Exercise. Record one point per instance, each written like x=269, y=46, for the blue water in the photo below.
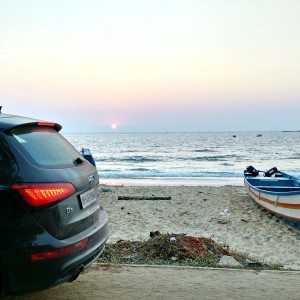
x=190, y=155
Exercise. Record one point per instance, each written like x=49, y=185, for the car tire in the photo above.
x=1, y=286
x=2, y=279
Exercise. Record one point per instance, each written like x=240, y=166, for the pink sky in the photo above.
x=152, y=66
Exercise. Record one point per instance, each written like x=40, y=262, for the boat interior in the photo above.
x=275, y=184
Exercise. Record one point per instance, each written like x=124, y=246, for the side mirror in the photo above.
x=86, y=153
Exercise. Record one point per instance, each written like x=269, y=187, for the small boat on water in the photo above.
x=275, y=191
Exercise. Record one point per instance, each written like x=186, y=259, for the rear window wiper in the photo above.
x=78, y=161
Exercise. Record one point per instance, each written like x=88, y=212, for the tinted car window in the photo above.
x=7, y=166
x=44, y=147
x=2, y=155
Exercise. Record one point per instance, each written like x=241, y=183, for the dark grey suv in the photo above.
x=52, y=225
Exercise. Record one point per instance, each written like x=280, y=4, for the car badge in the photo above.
x=91, y=179
x=69, y=210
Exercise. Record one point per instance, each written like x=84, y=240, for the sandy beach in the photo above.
x=162, y=282
x=226, y=214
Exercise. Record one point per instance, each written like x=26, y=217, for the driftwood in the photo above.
x=142, y=198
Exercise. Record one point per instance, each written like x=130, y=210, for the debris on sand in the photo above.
x=178, y=249
x=105, y=190
x=164, y=247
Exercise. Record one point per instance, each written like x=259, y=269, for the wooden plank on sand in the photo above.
x=143, y=198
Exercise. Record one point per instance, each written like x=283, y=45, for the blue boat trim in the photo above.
x=276, y=193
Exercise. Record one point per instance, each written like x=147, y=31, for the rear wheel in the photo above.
x=2, y=278
x=1, y=287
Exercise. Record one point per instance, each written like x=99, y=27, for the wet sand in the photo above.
x=205, y=181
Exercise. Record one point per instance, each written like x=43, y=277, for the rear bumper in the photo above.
x=72, y=269
x=25, y=276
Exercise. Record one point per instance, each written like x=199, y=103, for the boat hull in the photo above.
x=281, y=205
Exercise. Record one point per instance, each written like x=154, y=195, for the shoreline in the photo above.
x=174, y=181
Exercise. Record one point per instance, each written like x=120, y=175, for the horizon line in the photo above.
x=150, y=132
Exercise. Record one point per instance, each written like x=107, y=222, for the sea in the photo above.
x=197, y=158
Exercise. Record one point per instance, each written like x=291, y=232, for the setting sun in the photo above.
x=113, y=126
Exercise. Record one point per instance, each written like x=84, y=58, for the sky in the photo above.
x=146, y=66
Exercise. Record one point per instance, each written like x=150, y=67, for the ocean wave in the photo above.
x=135, y=174
x=140, y=169
x=130, y=151
x=204, y=150
x=108, y=170
x=227, y=164
x=133, y=159
x=215, y=158
x=145, y=159
x=297, y=156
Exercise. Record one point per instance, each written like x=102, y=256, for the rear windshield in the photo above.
x=44, y=146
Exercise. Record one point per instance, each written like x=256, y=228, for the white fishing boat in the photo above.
x=276, y=191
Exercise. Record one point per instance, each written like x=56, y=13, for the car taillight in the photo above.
x=40, y=194
x=55, y=126
x=50, y=254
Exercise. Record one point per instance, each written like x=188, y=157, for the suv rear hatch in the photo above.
x=55, y=183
